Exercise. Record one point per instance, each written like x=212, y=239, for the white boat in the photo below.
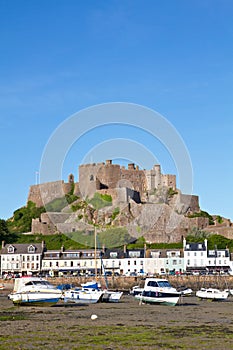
x=111, y=296
x=107, y=295
x=158, y=291
x=136, y=290
x=186, y=291
x=91, y=292
x=87, y=294
x=34, y=291
x=212, y=294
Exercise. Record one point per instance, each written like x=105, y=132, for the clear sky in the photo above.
x=172, y=56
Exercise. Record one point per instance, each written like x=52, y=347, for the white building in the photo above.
x=21, y=258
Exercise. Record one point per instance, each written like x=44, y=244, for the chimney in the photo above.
x=184, y=243
x=108, y=161
x=62, y=248
x=3, y=244
x=43, y=245
x=125, y=249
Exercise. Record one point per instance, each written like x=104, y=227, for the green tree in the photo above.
x=4, y=231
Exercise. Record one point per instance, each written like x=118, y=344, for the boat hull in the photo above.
x=212, y=294
x=82, y=297
x=111, y=297
x=32, y=299
x=158, y=298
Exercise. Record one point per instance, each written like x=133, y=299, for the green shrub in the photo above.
x=100, y=200
x=22, y=218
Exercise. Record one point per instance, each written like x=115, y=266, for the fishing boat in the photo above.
x=158, y=291
x=34, y=291
x=212, y=294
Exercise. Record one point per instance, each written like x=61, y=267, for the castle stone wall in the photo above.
x=44, y=193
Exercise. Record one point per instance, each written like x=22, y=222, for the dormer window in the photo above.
x=31, y=249
x=11, y=249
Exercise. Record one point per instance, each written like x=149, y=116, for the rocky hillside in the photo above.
x=166, y=216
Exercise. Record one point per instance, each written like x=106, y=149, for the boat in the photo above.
x=109, y=296
x=158, y=291
x=34, y=291
x=212, y=294
x=87, y=294
x=91, y=292
x=185, y=291
x=136, y=290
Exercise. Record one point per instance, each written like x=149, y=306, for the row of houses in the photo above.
x=35, y=258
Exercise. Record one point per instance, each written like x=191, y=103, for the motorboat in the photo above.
x=136, y=290
x=91, y=292
x=212, y=294
x=158, y=291
x=87, y=294
x=31, y=290
x=109, y=296
x=185, y=291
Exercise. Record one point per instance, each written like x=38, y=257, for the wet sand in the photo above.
x=193, y=324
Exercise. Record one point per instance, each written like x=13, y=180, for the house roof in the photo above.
x=22, y=248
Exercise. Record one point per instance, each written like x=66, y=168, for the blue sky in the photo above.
x=59, y=57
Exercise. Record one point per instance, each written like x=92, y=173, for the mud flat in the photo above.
x=192, y=324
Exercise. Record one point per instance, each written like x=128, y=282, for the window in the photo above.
x=133, y=254
x=31, y=249
x=128, y=262
x=11, y=249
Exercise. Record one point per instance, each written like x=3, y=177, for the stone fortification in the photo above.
x=149, y=202
x=93, y=177
x=45, y=193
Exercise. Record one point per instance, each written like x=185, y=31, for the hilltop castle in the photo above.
x=147, y=198
x=104, y=176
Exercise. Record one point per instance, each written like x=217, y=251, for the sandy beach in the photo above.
x=193, y=324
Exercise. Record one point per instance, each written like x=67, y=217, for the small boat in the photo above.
x=109, y=296
x=90, y=292
x=185, y=291
x=136, y=290
x=212, y=294
x=85, y=295
x=158, y=291
x=34, y=291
